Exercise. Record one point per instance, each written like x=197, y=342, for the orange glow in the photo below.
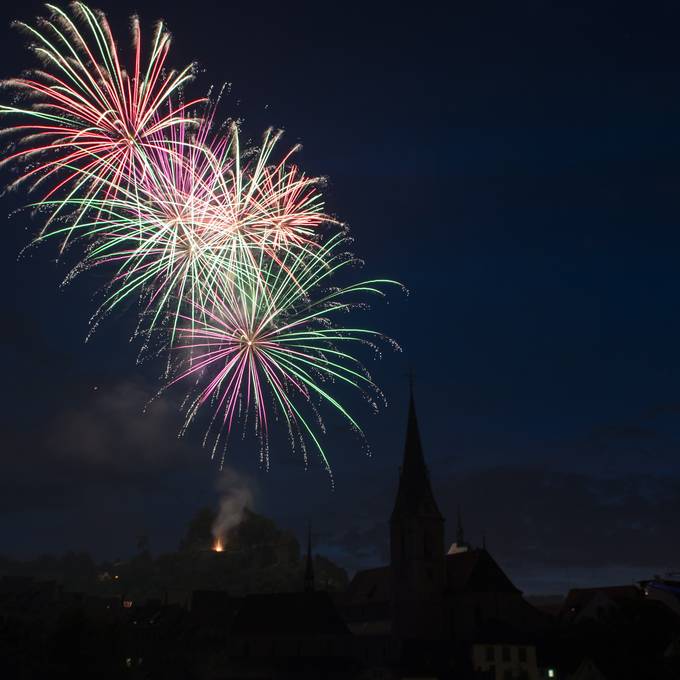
x=218, y=546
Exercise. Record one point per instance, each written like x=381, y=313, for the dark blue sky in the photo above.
x=517, y=167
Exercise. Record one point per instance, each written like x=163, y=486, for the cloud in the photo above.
x=100, y=441
x=664, y=410
x=359, y=547
x=543, y=526
x=116, y=426
x=533, y=515
x=625, y=432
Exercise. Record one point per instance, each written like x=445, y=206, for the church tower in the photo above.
x=418, y=562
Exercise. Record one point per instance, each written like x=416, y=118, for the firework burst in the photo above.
x=270, y=343
x=226, y=247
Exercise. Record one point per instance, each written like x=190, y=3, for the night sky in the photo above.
x=517, y=167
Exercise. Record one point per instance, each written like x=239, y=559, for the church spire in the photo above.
x=417, y=554
x=460, y=534
x=414, y=495
x=309, y=568
x=460, y=545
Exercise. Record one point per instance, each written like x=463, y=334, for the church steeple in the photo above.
x=460, y=545
x=460, y=534
x=309, y=567
x=414, y=494
x=418, y=562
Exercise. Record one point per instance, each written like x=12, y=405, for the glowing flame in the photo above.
x=218, y=546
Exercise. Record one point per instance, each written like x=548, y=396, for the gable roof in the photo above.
x=476, y=571
x=370, y=585
x=578, y=598
x=472, y=571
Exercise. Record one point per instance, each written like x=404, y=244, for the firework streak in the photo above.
x=228, y=252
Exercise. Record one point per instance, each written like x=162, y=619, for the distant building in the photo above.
x=501, y=661
x=582, y=604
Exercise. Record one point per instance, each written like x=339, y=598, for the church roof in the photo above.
x=414, y=495
x=476, y=571
x=473, y=571
x=370, y=585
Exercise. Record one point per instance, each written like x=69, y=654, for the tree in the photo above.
x=198, y=535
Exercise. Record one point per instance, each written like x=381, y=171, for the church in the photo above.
x=431, y=598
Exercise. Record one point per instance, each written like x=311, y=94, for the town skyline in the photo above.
x=516, y=169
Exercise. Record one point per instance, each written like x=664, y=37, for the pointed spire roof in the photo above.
x=460, y=534
x=309, y=568
x=414, y=496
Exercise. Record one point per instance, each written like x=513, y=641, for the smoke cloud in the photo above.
x=117, y=427
x=236, y=496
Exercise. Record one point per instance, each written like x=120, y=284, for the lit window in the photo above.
x=551, y=673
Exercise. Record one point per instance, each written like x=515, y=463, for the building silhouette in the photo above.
x=428, y=602
x=417, y=564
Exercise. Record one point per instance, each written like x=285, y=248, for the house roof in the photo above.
x=577, y=598
x=622, y=664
